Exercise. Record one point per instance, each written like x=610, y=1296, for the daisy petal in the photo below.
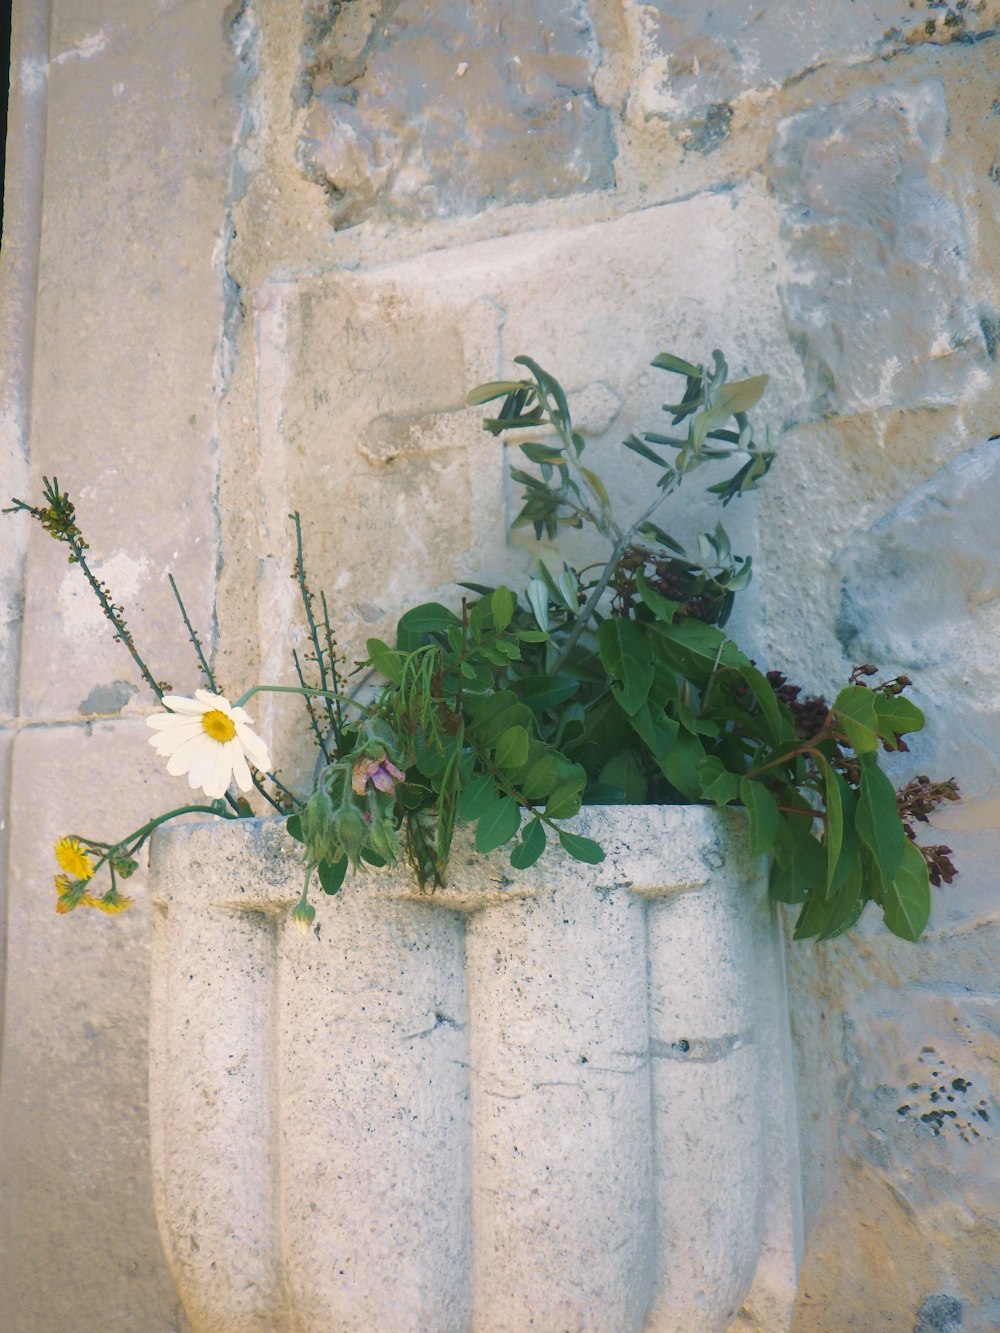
x=240, y=768
x=178, y=704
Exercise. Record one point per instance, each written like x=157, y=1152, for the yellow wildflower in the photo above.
x=73, y=859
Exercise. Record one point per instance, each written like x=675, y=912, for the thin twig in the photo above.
x=195, y=641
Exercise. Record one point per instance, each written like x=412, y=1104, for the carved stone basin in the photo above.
x=551, y=1100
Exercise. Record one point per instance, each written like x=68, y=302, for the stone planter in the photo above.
x=556, y=1100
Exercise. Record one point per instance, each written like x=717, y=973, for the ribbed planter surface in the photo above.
x=553, y=1100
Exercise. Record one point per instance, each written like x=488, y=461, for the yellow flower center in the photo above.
x=218, y=725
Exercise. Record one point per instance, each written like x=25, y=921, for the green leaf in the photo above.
x=834, y=818
x=657, y=731
x=331, y=875
x=778, y=724
x=624, y=773
x=567, y=796
x=695, y=649
x=502, y=605
x=661, y=607
x=581, y=849
x=667, y=361
x=804, y=870
x=497, y=824
x=877, y=820
x=385, y=660
x=764, y=816
x=644, y=451
x=540, y=777
x=848, y=902
x=549, y=383
x=538, y=599
x=895, y=717
x=420, y=621
x=596, y=485
x=486, y=393
x=679, y=765
x=814, y=918
x=854, y=709
x=531, y=846
x=542, y=453
x=477, y=797
x=907, y=903
x=294, y=826
x=626, y=653
x=739, y=396
x=512, y=748
x=488, y=730
x=718, y=785
x=542, y=692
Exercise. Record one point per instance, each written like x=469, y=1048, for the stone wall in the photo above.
x=254, y=258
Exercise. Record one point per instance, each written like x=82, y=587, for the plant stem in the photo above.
x=297, y=689
x=599, y=588
x=195, y=641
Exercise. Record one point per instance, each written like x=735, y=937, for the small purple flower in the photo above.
x=382, y=773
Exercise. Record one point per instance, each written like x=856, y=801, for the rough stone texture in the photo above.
x=183, y=243
x=416, y=110
x=865, y=222
x=697, y=56
x=75, y=1164
x=496, y=1104
x=362, y=379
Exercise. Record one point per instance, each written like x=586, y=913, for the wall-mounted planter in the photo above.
x=557, y=1100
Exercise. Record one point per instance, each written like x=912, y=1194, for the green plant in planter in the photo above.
x=614, y=684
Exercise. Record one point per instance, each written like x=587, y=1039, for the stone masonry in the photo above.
x=254, y=257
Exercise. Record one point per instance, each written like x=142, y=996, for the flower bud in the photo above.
x=303, y=915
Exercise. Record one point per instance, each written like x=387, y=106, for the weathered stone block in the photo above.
x=881, y=303
x=693, y=56
x=922, y=587
x=74, y=1153
x=416, y=110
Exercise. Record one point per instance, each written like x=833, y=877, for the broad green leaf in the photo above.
x=331, y=874
x=624, y=773
x=906, y=905
x=896, y=716
x=567, y=797
x=626, y=653
x=718, y=785
x=661, y=607
x=764, y=815
x=497, y=824
x=657, y=731
x=477, y=797
x=531, y=635
x=419, y=621
x=854, y=708
x=847, y=903
x=538, y=599
x=531, y=846
x=877, y=820
x=489, y=730
x=778, y=724
x=679, y=765
x=694, y=648
x=294, y=826
x=804, y=871
x=386, y=661
x=540, y=777
x=814, y=918
x=512, y=748
x=502, y=605
x=486, y=393
x=581, y=849
x=834, y=818
x=541, y=692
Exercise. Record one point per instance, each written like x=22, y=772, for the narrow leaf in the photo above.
x=764, y=816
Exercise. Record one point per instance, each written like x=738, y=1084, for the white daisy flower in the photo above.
x=210, y=740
